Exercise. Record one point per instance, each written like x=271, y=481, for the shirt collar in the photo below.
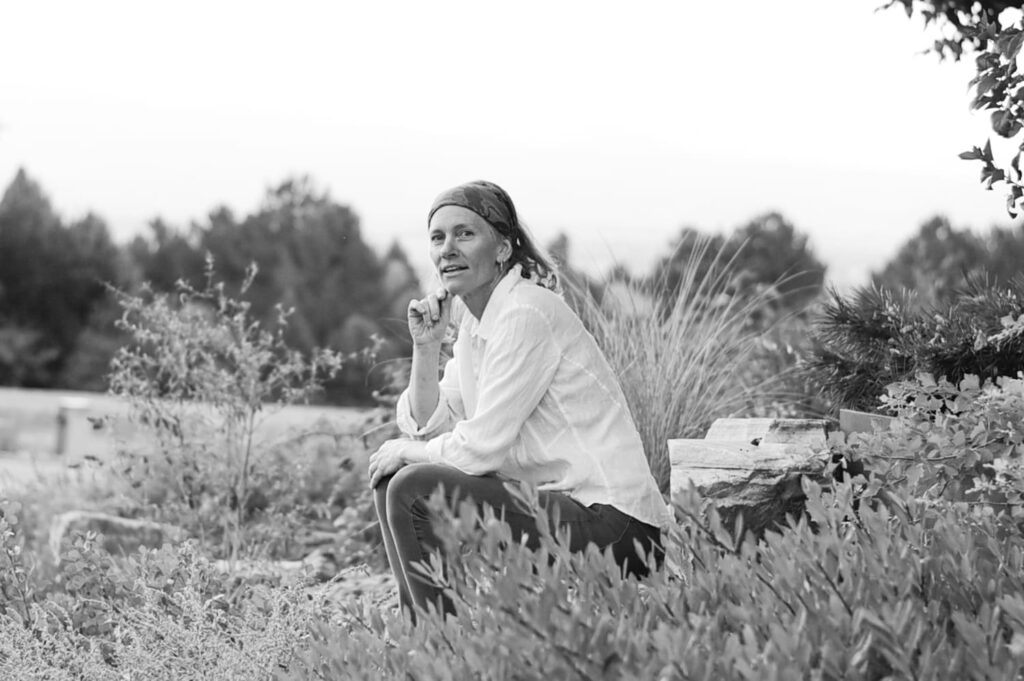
x=495, y=303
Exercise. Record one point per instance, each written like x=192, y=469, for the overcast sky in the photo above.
x=617, y=123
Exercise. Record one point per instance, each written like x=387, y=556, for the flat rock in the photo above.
x=738, y=471
x=117, y=535
x=320, y=565
x=752, y=466
x=813, y=432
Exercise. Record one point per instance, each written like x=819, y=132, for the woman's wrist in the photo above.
x=432, y=346
x=414, y=451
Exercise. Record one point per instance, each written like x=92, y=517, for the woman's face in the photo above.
x=465, y=251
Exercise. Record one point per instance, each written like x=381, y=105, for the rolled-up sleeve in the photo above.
x=518, y=365
x=448, y=412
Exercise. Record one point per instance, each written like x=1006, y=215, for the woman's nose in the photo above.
x=448, y=246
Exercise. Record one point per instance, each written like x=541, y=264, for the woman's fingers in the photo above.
x=435, y=303
x=433, y=307
x=383, y=462
x=428, y=312
x=418, y=309
x=382, y=470
x=444, y=304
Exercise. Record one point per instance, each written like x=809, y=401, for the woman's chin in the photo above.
x=455, y=287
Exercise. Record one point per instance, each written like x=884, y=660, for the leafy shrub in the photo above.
x=164, y=614
x=198, y=373
x=960, y=444
x=876, y=337
x=913, y=591
x=916, y=572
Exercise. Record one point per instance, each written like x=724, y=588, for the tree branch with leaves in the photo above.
x=992, y=30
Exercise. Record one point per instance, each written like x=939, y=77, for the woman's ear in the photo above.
x=505, y=252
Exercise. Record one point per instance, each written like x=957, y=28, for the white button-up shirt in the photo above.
x=529, y=395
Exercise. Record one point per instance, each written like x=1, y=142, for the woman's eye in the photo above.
x=465, y=234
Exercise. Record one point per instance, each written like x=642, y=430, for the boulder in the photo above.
x=752, y=467
x=117, y=535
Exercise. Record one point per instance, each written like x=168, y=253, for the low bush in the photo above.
x=905, y=574
x=200, y=374
x=158, y=614
x=924, y=592
x=875, y=337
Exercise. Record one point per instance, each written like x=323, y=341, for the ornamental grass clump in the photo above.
x=685, y=355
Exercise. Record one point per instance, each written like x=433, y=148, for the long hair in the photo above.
x=536, y=263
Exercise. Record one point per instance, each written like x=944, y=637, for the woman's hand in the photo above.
x=429, y=317
x=394, y=454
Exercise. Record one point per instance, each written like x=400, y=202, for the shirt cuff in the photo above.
x=433, y=449
x=437, y=423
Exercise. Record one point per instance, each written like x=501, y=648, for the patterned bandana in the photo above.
x=487, y=200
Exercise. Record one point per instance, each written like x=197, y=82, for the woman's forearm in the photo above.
x=423, y=383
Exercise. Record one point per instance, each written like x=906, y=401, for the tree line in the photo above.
x=57, y=279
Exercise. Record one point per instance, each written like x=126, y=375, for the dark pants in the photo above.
x=409, y=538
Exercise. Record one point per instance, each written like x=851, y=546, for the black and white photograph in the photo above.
x=454, y=340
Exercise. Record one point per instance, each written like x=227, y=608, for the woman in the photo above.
x=527, y=396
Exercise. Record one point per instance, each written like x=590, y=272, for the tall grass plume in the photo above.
x=685, y=354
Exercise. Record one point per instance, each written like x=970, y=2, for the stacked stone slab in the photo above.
x=752, y=466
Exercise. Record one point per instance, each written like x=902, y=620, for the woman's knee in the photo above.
x=415, y=481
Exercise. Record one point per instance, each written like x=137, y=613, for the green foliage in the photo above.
x=312, y=259
x=57, y=312
x=940, y=261
x=16, y=585
x=904, y=589
x=52, y=283
x=198, y=374
x=996, y=38
x=952, y=443
x=685, y=351
x=163, y=614
x=875, y=337
x=767, y=255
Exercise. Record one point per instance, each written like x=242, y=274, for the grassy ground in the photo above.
x=96, y=424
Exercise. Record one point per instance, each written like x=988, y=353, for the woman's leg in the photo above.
x=401, y=579
x=414, y=539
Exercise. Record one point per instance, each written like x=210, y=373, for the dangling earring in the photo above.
x=499, y=272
